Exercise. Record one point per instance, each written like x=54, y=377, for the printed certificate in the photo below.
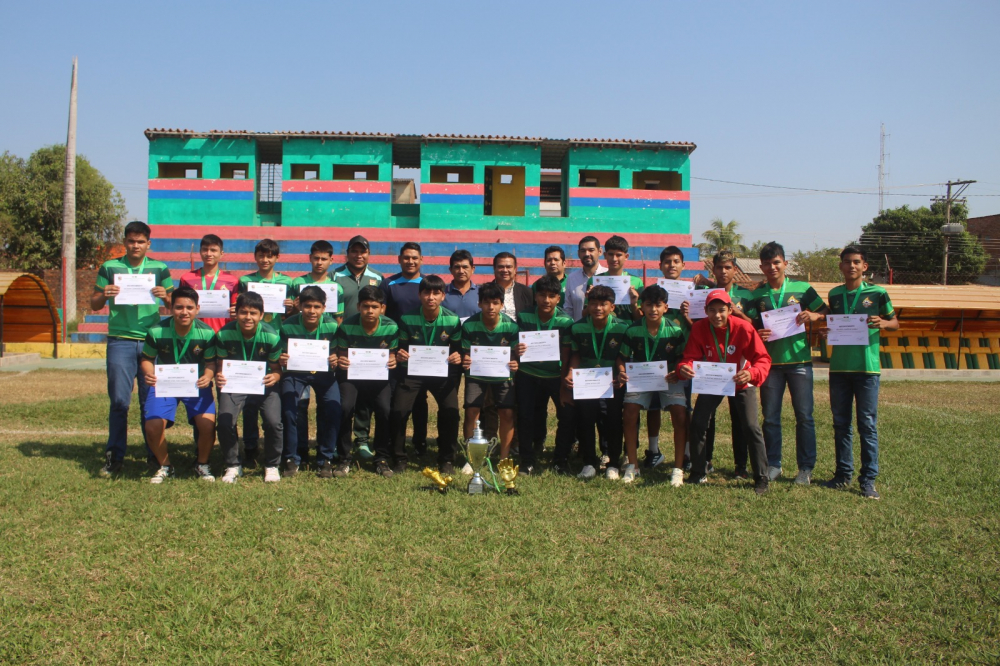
x=213, y=303
x=136, y=289
x=542, y=346
x=177, y=381
x=781, y=322
x=849, y=329
x=592, y=383
x=245, y=377
x=678, y=291
x=427, y=361
x=650, y=376
x=308, y=355
x=620, y=284
x=368, y=364
x=274, y=295
x=714, y=378
x=331, y=294
x=696, y=307
x=490, y=361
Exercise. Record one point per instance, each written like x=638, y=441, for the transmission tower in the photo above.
x=883, y=171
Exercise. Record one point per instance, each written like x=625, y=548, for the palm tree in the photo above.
x=722, y=236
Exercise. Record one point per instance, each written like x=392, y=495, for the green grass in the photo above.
x=370, y=570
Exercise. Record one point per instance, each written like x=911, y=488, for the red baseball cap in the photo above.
x=718, y=295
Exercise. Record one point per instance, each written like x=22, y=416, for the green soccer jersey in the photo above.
x=623, y=311
x=598, y=348
x=444, y=331
x=299, y=283
x=667, y=344
x=165, y=346
x=560, y=324
x=793, y=350
x=871, y=300
x=264, y=346
x=475, y=334
x=562, y=290
x=294, y=329
x=351, y=335
x=271, y=318
x=132, y=321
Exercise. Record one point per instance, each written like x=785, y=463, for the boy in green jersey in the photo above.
x=490, y=328
x=312, y=323
x=369, y=329
x=180, y=339
x=127, y=328
x=430, y=325
x=791, y=363
x=854, y=372
x=616, y=256
x=655, y=338
x=537, y=382
x=248, y=338
x=594, y=343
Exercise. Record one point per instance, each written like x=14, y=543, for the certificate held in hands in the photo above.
x=848, y=330
x=372, y=364
x=541, y=346
x=213, y=303
x=678, y=291
x=177, y=381
x=272, y=293
x=308, y=355
x=490, y=361
x=427, y=361
x=714, y=378
x=782, y=322
x=644, y=377
x=592, y=383
x=620, y=284
x=246, y=377
x=696, y=304
x=135, y=289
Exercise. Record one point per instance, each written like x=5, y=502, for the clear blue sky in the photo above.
x=787, y=94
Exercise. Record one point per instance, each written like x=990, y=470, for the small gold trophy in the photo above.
x=440, y=482
x=508, y=472
x=477, y=450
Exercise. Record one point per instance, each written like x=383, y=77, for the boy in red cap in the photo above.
x=722, y=338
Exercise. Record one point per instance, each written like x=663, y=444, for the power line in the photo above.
x=827, y=191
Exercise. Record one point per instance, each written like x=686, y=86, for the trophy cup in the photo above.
x=477, y=450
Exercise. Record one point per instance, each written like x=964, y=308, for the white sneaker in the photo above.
x=677, y=477
x=203, y=472
x=271, y=475
x=588, y=472
x=232, y=474
x=611, y=473
x=467, y=470
x=773, y=473
x=629, y=473
x=164, y=472
x=605, y=461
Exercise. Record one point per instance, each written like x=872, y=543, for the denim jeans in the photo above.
x=846, y=390
x=122, y=358
x=799, y=379
x=324, y=384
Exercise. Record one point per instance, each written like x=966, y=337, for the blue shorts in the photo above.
x=669, y=398
x=166, y=408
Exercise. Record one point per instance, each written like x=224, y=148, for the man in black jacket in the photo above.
x=517, y=297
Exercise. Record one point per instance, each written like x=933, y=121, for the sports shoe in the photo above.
x=838, y=482
x=629, y=473
x=868, y=490
x=290, y=469
x=605, y=461
x=692, y=480
x=202, y=471
x=231, y=474
x=446, y=469
x=526, y=471
x=324, y=470
x=652, y=460
x=709, y=468
x=687, y=464
x=165, y=472
x=677, y=477
x=364, y=452
x=611, y=474
x=588, y=472
x=804, y=477
x=111, y=466
x=382, y=468
x=467, y=469
x=761, y=487
x=773, y=473
x=342, y=470
x=399, y=468
x=271, y=475
x=741, y=474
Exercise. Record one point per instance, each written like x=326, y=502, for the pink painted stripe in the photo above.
x=451, y=188
x=613, y=193
x=532, y=191
x=356, y=186
x=201, y=184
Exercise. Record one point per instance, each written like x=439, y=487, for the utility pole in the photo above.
x=949, y=229
x=69, y=215
x=883, y=172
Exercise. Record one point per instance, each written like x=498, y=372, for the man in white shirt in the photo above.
x=589, y=249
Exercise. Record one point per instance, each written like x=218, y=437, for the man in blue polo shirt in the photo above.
x=462, y=295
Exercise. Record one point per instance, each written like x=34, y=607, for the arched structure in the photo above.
x=27, y=311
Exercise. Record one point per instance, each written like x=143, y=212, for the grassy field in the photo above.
x=373, y=570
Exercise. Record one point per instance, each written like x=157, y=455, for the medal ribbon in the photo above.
x=856, y=297
x=142, y=266
x=253, y=345
x=646, y=338
x=187, y=341
x=429, y=338
x=723, y=351
x=781, y=294
x=214, y=280
x=604, y=339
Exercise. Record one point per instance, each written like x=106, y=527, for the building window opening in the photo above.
x=451, y=174
x=355, y=172
x=550, y=195
x=600, y=178
x=180, y=170
x=656, y=180
x=305, y=171
x=234, y=170
x=269, y=188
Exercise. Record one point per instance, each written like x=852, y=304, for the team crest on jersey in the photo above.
x=867, y=302
x=197, y=350
x=613, y=343
x=444, y=337
x=503, y=342
x=731, y=349
x=384, y=344
x=739, y=305
x=668, y=348
x=763, y=304
x=792, y=300
x=372, y=282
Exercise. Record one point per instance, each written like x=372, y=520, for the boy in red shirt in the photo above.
x=722, y=338
x=211, y=278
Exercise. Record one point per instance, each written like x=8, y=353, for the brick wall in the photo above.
x=86, y=278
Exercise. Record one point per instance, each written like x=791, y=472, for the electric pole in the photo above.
x=949, y=229
x=883, y=172
x=69, y=215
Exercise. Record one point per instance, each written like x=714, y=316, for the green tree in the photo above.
x=722, y=236
x=819, y=265
x=910, y=241
x=753, y=252
x=31, y=193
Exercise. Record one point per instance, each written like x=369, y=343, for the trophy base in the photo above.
x=477, y=486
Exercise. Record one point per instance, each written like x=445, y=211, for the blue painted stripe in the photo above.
x=451, y=199
x=373, y=197
x=598, y=202
x=531, y=201
x=201, y=194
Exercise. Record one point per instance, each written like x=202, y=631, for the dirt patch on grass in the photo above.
x=41, y=385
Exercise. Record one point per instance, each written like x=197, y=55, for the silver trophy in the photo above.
x=477, y=450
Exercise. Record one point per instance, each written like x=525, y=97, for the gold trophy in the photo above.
x=440, y=481
x=508, y=472
x=477, y=450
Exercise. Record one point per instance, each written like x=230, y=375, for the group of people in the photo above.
x=409, y=314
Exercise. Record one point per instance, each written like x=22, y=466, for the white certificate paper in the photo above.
x=177, y=381
x=849, y=329
x=427, y=361
x=490, y=361
x=331, y=294
x=592, y=383
x=620, y=284
x=245, y=377
x=781, y=322
x=542, y=346
x=272, y=293
x=368, y=364
x=650, y=376
x=136, y=289
x=678, y=291
x=696, y=304
x=213, y=303
x=714, y=378
x=308, y=355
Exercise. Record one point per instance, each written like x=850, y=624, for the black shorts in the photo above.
x=503, y=393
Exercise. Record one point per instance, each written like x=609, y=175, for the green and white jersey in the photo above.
x=277, y=278
x=562, y=290
x=264, y=346
x=299, y=283
x=475, y=333
x=132, y=321
x=560, y=324
x=351, y=335
x=667, y=344
x=871, y=300
x=621, y=311
x=598, y=348
x=164, y=346
x=793, y=350
x=294, y=329
x=444, y=331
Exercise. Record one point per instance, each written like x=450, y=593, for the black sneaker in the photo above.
x=687, y=464
x=696, y=480
x=324, y=470
x=838, y=482
x=446, y=469
x=342, y=470
x=382, y=468
x=111, y=466
x=761, y=487
x=868, y=490
x=652, y=459
x=290, y=469
x=399, y=468
x=741, y=474
x=709, y=468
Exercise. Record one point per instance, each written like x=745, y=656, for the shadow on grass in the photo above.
x=90, y=456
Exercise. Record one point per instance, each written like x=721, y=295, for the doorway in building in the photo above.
x=503, y=191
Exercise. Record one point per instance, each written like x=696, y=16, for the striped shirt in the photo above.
x=445, y=331
x=597, y=348
x=351, y=335
x=165, y=346
x=132, y=321
x=301, y=282
x=294, y=328
x=264, y=346
x=475, y=333
x=561, y=324
x=278, y=278
x=623, y=310
x=666, y=345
